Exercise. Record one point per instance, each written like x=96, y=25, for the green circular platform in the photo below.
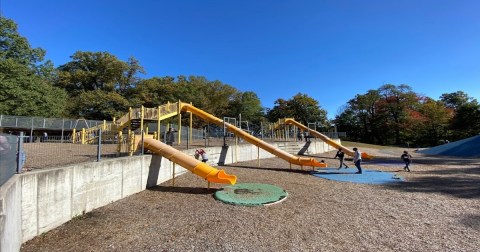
x=251, y=194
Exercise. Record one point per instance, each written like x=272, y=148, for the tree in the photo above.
x=248, y=105
x=91, y=72
x=466, y=122
x=301, y=107
x=396, y=101
x=434, y=124
x=98, y=105
x=25, y=80
x=455, y=100
x=466, y=114
x=279, y=110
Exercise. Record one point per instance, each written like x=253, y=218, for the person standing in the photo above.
x=357, y=159
x=170, y=136
x=341, y=156
x=407, y=158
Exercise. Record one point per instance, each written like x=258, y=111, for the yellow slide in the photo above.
x=199, y=168
x=325, y=138
x=185, y=107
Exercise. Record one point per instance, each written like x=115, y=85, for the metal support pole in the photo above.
x=99, y=146
x=224, y=134
x=63, y=122
x=173, y=173
x=188, y=137
x=258, y=156
x=179, y=122
x=143, y=143
x=20, y=153
x=205, y=130
x=31, y=131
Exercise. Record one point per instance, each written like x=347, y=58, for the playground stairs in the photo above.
x=290, y=147
x=133, y=121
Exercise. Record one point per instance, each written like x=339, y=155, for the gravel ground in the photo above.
x=436, y=209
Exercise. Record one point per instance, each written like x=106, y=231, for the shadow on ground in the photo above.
x=185, y=190
x=456, y=182
x=471, y=221
x=306, y=171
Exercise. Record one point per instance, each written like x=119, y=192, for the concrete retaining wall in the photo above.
x=36, y=202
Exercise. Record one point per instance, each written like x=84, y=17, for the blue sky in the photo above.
x=330, y=50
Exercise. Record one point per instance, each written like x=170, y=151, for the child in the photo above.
x=341, y=156
x=407, y=158
x=201, y=153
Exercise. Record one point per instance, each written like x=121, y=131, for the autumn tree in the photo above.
x=395, y=102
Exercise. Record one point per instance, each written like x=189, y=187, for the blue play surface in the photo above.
x=367, y=177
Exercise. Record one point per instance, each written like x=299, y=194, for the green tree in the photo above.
x=456, y=99
x=99, y=75
x=280, y=110
x=301, y=107
x=248, y=105
x=88, y=71
x=25, y=79
x=98, y=104
x=466, y=121
x=433, y=124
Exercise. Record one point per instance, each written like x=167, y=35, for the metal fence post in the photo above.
x=143, y=138
x=99, y=147
x=20, y=153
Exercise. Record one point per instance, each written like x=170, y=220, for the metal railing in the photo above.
x=26, y=122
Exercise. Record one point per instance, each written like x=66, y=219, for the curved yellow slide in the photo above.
x=199, y=168
x=325, y=138
x=185, y=107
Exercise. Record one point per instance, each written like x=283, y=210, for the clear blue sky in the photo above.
x=330, y=50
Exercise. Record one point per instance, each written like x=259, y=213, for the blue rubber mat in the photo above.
x=367, y=177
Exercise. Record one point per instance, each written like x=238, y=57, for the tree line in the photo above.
x=396, y=115
x=100, y=86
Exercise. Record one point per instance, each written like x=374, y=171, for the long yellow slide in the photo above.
x=325, y=138
x=195, y=166
x=185, y=107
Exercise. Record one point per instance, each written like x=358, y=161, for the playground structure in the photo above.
x=130, y=129
x=283, y=123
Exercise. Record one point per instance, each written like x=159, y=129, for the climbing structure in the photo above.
x=125, y=127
